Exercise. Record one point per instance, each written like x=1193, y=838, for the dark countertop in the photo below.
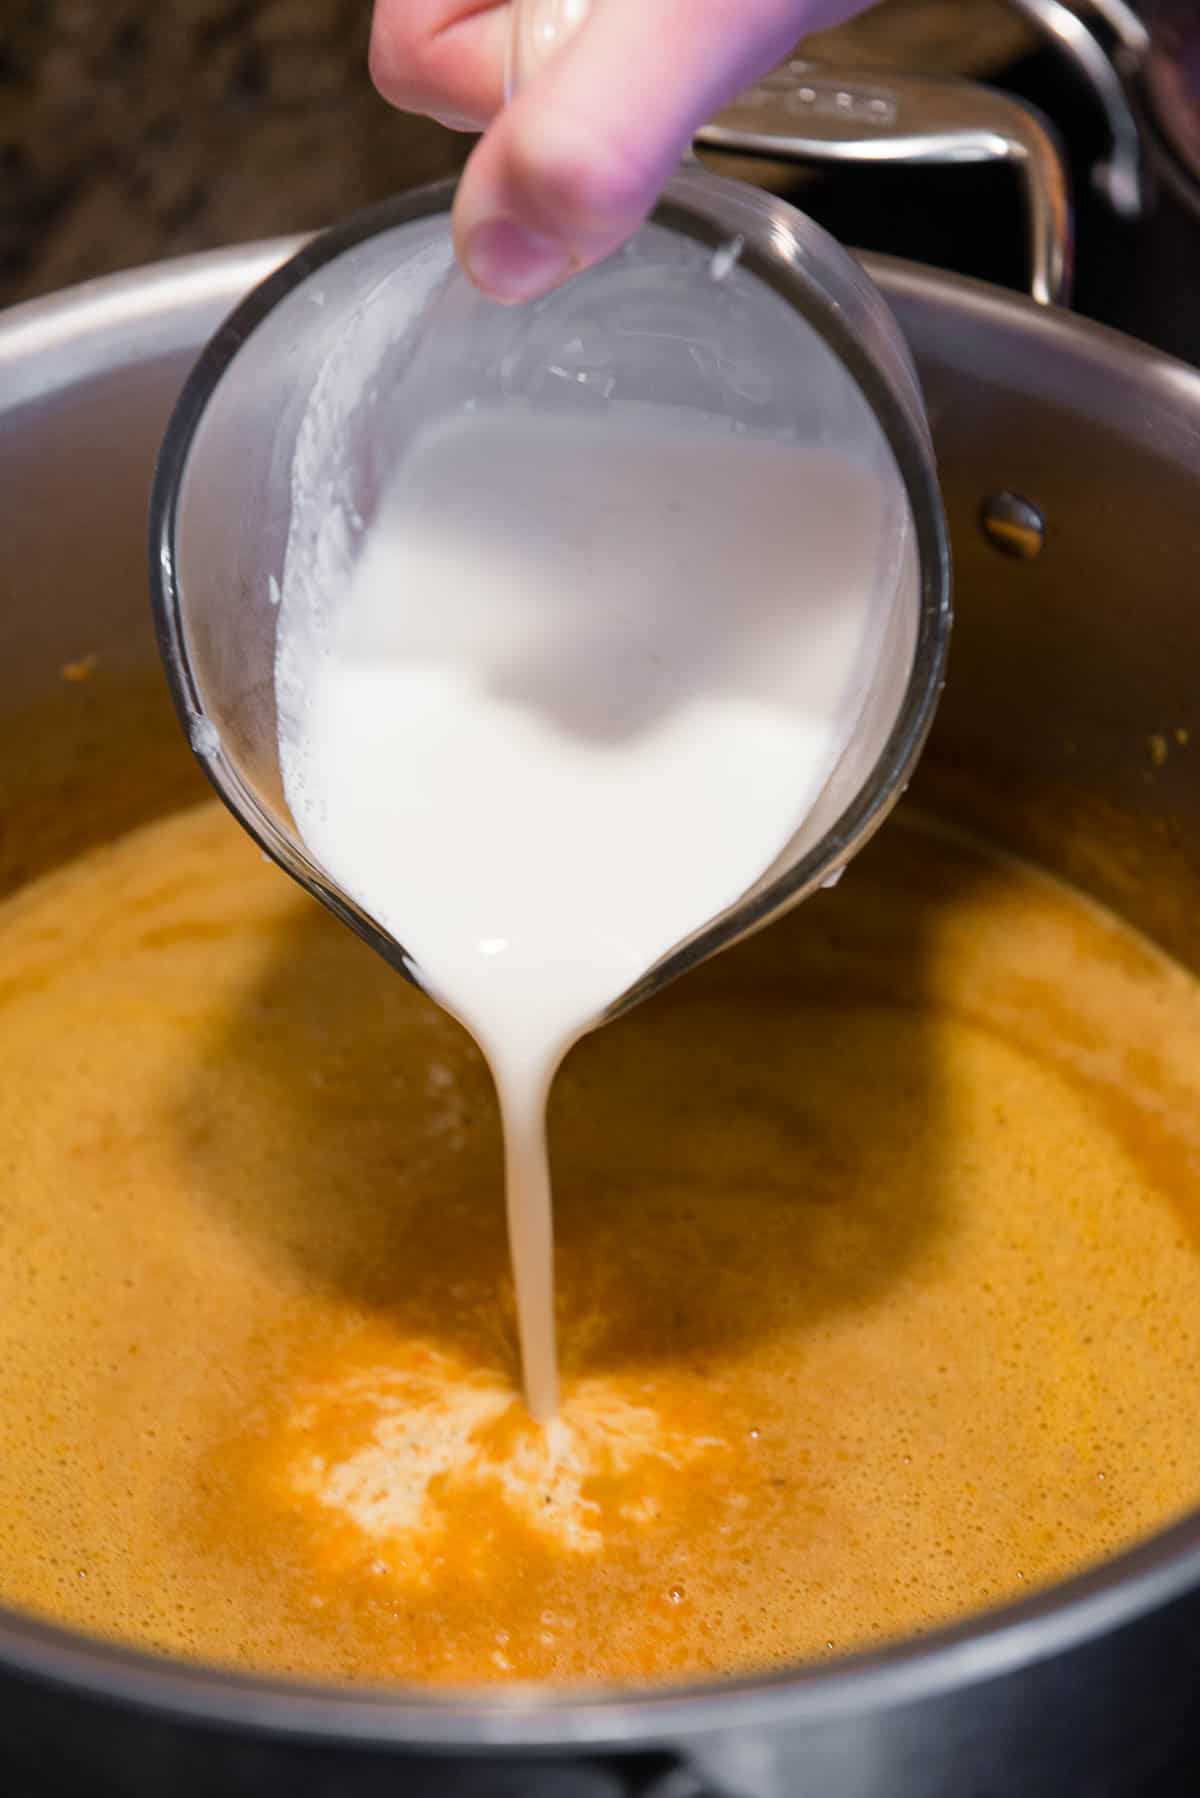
x=136, y=129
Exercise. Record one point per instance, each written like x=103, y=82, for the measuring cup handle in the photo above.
x=816, y=112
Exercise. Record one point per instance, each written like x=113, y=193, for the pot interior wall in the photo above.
x=89, y=745
x=1069, y=730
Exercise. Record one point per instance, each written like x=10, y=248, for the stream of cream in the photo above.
x=587, y=678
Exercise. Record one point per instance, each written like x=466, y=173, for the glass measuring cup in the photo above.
x=729, y=303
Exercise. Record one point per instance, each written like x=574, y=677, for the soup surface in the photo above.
x=878, y=1278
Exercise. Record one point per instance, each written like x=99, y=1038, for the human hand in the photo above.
x=563, y=175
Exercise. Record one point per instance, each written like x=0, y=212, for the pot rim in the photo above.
x=984, y=1647
x=155, y=309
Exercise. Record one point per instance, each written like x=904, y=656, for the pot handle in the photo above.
x=1120, y=177
x=816, y=112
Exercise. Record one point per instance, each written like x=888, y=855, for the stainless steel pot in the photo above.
x=1071, y=462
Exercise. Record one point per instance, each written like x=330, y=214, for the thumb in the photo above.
x=571, y=168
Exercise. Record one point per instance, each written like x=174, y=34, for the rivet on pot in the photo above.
x=1013, y=525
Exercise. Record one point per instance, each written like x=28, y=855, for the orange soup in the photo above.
x=878, y=1271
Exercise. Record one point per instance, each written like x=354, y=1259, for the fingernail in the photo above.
x=512, y=263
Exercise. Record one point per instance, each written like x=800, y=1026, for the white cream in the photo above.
x=588, y=677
